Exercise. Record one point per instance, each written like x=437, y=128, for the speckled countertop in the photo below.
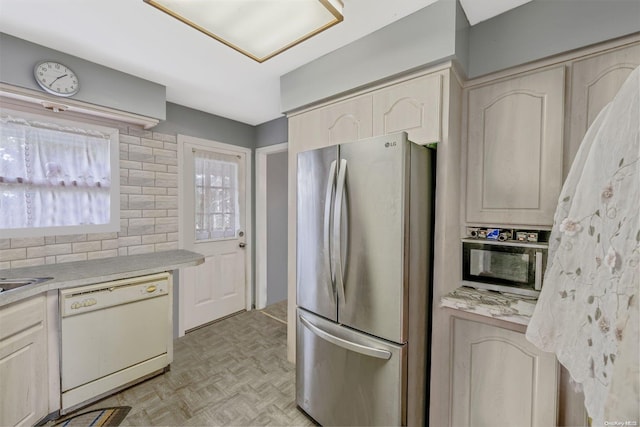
x=79, y=273
x=508, y=307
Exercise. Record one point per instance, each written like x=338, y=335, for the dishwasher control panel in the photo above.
x=102, y=295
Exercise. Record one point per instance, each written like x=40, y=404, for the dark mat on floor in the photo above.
x=105, y=417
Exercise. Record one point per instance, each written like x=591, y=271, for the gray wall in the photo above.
x=277, y=221
x=187, y=121
x=420, y=39
x=98, y=84
x=544, y=28
x=440, y=32
x=273, y=132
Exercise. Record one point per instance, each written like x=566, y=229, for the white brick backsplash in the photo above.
x=168, y=246
x=129, y=139
x=144, y=249
x=71, y=258
x=137, y=131
x=151, y=143
x=154, y=167
x=31, y=262
x=141, y=202
x=166, y=225
x=165, y=137
x=42, y=251
x=140, y=153
x=161, y=152
x=148, y=209
x=129, y=241
x=131, y=213
x=102, y=236
x=154, y=213
x=71, y=238
x=166, y=202
x=109, y=244
x=24, y=243
x=171, y=179
x=143, y=178
x=130, y=189
x=167, y=160
x=154, y=190
x=102, y=254
x=13, y=254
x=86, y=247
x=129, y=164
x=154, y=238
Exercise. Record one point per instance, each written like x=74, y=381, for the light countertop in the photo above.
x=503, y=306
x=79, y=273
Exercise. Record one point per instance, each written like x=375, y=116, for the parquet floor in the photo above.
x=231, y=373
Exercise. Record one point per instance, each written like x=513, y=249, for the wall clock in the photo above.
x=56, y=78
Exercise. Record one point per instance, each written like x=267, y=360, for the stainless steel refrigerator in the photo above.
x=364, y=239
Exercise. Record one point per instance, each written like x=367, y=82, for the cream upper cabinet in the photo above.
x=499, y=378
x=595, y=80
x=344, y=121
x=514, y=149
x=414, y=106
x=24, y=395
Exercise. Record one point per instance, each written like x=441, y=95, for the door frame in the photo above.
x=261, y=219
x=211, y=144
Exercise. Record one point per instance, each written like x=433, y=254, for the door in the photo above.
x=213, y=224
x=372, y=206
x=345, y=378
x=315, y=190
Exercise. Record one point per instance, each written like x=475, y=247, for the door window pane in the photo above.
x=216, y=193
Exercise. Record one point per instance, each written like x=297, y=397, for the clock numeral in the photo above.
x=57, y=66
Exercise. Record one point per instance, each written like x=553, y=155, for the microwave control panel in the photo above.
x=507, y=234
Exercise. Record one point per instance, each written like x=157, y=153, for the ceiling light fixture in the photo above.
x=259, y=29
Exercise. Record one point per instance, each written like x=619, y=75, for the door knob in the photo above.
x=242, y=245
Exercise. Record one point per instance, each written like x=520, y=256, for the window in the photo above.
x=216, y=196
x=57, y=177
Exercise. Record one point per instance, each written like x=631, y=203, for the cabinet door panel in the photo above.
x=594, y=83
x=23, y=363
x=499, y=378
x=414, y=106
x=514, y=149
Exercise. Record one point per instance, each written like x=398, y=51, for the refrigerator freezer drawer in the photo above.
x=344, y=377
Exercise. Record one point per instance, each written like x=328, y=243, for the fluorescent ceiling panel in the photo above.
x=259, y=29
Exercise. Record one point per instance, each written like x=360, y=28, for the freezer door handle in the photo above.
x=337, y=224
x=348, y=345
x=331, y=182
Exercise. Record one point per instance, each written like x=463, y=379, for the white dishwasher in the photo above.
x=113, y=335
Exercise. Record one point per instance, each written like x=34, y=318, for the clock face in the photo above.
x=56, y=78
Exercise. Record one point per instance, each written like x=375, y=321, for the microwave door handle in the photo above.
x=331, y=183
x=539, y=272
x=337, y=230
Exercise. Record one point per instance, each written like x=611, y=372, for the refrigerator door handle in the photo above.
x=348, y=345
x=337, y=237
x=331, y=182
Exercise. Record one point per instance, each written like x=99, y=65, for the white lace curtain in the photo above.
x=52, y=176
x=216, y=188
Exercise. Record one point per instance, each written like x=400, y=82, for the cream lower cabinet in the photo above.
x=500, y=379
x=24, y=388
x=514, y=149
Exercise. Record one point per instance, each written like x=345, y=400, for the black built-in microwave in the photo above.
x=505, y=260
